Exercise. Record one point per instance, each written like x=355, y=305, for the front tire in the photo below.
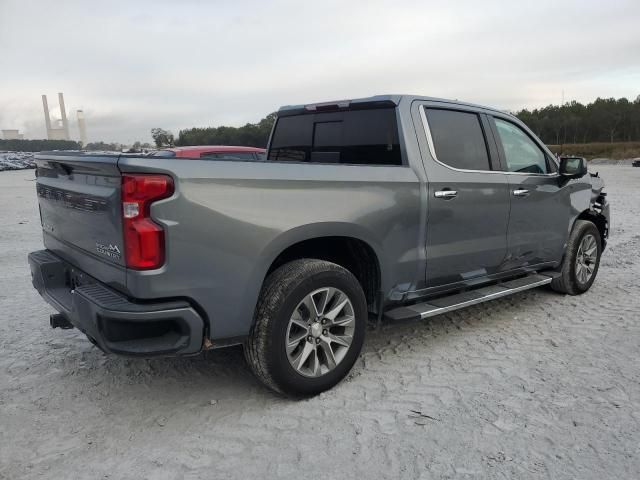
x=581, y=260
x=308, y=329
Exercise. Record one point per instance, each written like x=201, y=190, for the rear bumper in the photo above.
x=112, y=321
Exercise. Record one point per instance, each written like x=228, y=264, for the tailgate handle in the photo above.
x=66, y=169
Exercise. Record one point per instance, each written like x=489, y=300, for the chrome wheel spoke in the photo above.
x=297, y=320
x=311, y=306
x=329, y=356
x=325, y=298
x=320, y=332
x=294, y=340
x=344, y=340
x=343, y=321
x=341, y=303
x=303, y=356
x=315, y=363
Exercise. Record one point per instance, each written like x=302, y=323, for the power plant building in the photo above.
x=12, y=135
x=58, y=132
x=82, y=128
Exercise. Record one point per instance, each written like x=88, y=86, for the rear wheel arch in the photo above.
x=352, y=253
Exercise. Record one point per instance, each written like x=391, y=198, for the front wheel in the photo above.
x=309, y=327
x=581, y=259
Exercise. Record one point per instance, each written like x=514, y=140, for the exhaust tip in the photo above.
x=58, y=320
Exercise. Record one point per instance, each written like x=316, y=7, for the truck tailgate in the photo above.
x=80, y=210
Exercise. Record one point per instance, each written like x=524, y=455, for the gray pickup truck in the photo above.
x=390, y=206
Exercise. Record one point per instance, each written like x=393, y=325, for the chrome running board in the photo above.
x=439, y=305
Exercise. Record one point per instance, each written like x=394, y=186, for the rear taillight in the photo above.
x=143, y=238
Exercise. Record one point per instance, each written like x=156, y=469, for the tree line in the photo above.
x=116, y=147
x=604, y=120
x=249, y=135
x=38, y=145
x=49, y=145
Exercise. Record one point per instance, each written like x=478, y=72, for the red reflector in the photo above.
x=143, y=238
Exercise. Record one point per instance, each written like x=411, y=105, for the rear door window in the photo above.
x=521, y=153
x=359, y=137
x=458, y=139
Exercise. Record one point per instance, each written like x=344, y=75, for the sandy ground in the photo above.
x=538, y=385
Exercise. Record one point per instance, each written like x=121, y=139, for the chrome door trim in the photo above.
x=432, y=151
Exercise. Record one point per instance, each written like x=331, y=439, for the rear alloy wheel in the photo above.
x=320, y=332
x=581, y=259
x=308, y=328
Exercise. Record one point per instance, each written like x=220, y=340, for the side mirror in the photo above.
x=573, y=167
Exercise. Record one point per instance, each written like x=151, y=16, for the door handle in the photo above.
x=445, y=194
x=521, y=192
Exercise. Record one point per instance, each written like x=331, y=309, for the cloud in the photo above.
x=135, y=65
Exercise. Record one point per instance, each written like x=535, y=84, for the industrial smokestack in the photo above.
x=47, y=119
x=63, y=113
x=82, y=128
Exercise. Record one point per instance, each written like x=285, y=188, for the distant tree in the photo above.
x=162, y=138
x=38, y=145
x=603, y=120
x=103, y=147
x=249, y=135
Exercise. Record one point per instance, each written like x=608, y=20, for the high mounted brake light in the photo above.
x=327, y=106
x=143, y=238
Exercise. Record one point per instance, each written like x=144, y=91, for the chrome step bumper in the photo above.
x=449, y=303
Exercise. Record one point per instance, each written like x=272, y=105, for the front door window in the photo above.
x=521, y=153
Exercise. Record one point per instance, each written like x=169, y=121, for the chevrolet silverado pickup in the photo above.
x=395, y=207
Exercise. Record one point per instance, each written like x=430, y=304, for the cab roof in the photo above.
x=390, y=100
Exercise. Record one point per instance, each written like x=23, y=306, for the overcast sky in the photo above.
x=134, y=65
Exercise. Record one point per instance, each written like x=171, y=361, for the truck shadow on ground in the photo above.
x=223, y=374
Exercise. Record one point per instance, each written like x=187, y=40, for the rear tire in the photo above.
x=308, y=328
x=581, y=260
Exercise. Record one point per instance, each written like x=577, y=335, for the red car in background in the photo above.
x=213, y=152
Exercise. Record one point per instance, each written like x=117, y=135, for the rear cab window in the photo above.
x=356, y=137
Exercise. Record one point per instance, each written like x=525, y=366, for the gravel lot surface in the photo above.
x=537, y=385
